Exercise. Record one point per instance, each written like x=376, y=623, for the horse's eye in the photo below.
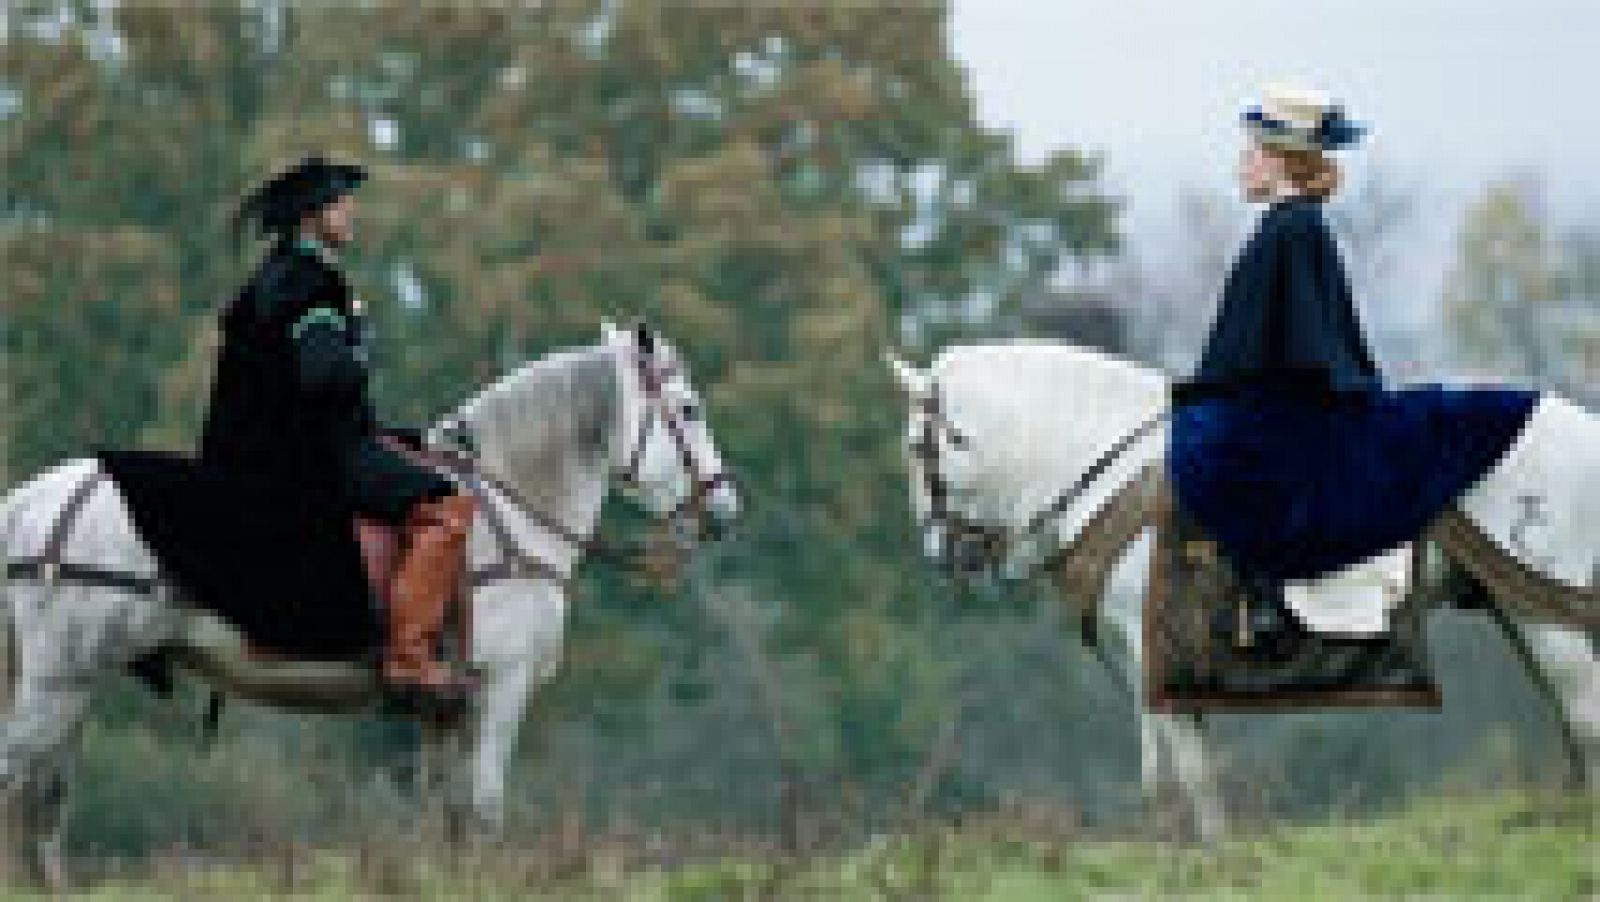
x=690, y=411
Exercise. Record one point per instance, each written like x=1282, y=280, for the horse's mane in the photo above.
x=1035, y=357
x=547, y=416
x=1038, y=413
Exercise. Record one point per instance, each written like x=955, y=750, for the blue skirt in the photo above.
x=1292, y=487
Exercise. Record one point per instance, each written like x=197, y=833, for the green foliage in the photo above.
x=1523, y=301
x=784, y=189
x=744, y=177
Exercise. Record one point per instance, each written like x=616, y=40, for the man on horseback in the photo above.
x=290, y=412
x=261, y=527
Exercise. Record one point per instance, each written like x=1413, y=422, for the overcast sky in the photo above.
x=1457, y=91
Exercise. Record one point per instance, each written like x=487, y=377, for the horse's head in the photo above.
x=667, y=456
x=943, y=472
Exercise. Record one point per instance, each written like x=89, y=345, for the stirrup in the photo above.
x=434, y=703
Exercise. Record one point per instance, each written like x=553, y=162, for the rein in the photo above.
x=997, y=542
x=701, y=487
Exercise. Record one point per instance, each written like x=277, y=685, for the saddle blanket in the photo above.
x=1355, y=601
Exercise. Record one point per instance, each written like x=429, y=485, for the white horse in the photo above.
x=548, y=439
x=1022, y=451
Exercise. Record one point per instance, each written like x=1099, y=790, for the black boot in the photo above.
x=1268, y=630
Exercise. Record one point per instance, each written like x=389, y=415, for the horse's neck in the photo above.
x=549, y=430
x=1039, y=420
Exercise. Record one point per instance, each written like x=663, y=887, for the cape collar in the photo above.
x=328, y=257
x=317, y=249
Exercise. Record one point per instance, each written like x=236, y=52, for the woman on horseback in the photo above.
x=1285, y=445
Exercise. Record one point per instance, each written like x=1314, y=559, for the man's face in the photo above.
x=334, y=223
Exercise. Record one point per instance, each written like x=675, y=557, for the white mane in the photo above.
x=547, y=422
x=1037, y=414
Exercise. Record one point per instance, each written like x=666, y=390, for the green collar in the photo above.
x=319, y=249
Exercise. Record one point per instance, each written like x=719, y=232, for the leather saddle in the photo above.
x=1203, y=648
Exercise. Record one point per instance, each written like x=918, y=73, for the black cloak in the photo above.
x=1287, y=320
x=258, y=528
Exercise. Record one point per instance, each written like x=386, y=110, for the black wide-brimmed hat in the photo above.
x=283, y=200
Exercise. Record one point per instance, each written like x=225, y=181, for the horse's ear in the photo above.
x=912, y=380
x=608, y=330
x=645, y=337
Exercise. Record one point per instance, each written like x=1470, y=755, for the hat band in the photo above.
x=1331, y=133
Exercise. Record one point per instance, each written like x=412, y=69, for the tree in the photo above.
x=1517, y=301
x=784, y=189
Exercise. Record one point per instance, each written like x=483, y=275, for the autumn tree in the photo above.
x=1518, y=301
x=786, y=190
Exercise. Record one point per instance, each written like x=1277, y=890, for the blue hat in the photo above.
x=1300, y=119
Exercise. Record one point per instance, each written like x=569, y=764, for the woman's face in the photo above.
x=1259, y=173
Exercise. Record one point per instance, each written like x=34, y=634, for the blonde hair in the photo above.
x=1312, y=173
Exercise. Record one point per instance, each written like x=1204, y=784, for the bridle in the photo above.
x=995, y=542
x=953, y=527
x=462, y=459
x=652, y=380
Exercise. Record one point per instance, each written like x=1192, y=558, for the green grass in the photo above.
x=1504, y=846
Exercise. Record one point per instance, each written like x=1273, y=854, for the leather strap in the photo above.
x=513, y=563
x=82, y=573
x=48, y=566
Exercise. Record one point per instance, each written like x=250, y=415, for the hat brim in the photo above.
x=339, y=179
x=1331, y=134
x=290, y=196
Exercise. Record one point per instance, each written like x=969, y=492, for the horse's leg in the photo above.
x=69, y=637
x=498, y=720
x=39, y=734
x=1174, y=759
x=464, y=764
x=1562, y=666
x=43, y=711
x=440, y=777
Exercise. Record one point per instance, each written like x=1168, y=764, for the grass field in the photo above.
x=1534, y=846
